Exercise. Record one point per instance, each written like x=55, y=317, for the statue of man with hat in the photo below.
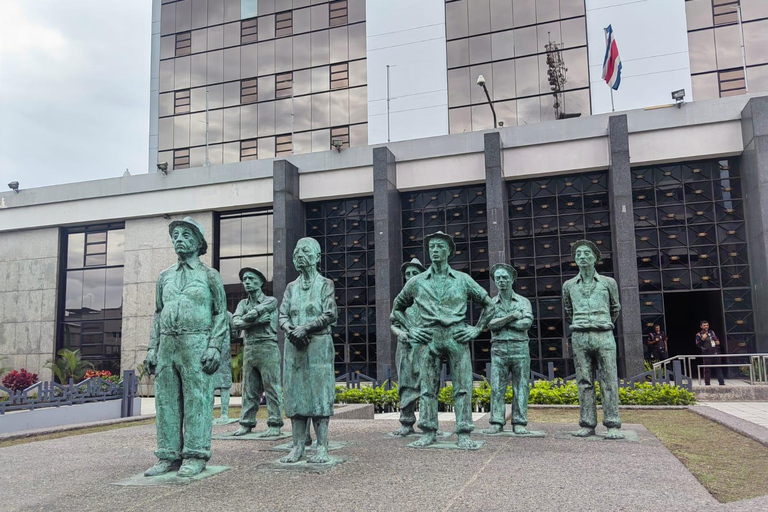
x=256, y=315
x=409, y=357
x=440, y=295
x=591, y=304
x=190, y=327
x=513, y=317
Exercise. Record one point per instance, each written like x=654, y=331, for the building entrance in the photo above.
x=682, y=313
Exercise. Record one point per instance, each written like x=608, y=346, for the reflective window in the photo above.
x=183, y=44
x=249, y=31
x=284, y=24
x=91, y=310
x=337, y=13
x=181, y=102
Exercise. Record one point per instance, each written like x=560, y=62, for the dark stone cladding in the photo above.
x=624, y=250
x=754, y=171
x=288, y=226
x=388, y=254
x=496, y=196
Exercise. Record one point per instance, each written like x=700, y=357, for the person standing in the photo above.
x=657, y=344
x=709, y=344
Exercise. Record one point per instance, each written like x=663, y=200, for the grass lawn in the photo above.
x=732, y=467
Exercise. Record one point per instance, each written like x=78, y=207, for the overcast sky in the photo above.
x=74, y=89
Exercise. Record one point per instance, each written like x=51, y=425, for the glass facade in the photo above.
x=460, y=212
x=506, y=42
x=691, y=236
x=344, y=229
x=714, y=45
x=91, y=302
x=275, y=78
x=546, y=215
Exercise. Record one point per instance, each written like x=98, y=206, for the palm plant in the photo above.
x=69, y=364
x=3, y=369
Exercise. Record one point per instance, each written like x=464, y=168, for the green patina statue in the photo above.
x=190, y=327
x=513, y=317
x=307, y=313
x=441, y=294
x=409, y=358
x=592, y=305
x=222, y=379
x=257, y=317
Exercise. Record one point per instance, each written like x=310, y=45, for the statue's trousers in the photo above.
x=515, y=357
x=596, y=350
x=409, y=360
x=261, y=374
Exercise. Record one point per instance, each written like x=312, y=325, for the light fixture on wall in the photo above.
x=163, y=167
x=337, y=144
x=679, y=97
x=14, y=185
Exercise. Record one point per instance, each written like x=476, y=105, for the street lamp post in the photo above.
x=481, y=83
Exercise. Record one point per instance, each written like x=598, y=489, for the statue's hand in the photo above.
x=150, y=362
x=211, y=360
x=467, y=334
x=402, y=338
x=420, y=335
x=300, y=332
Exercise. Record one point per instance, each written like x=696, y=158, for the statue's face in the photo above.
x=305, y=255
x=502, y=279
x=411, y=271
x=439, y=250
x=585, y=257
x=252, y=282
x=184, y=240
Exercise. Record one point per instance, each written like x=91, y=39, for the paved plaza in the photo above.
x=754, y=412
x=380, y=473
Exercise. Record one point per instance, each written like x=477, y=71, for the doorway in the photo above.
x=682, y=313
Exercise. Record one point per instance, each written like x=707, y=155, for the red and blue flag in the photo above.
x=612, y=62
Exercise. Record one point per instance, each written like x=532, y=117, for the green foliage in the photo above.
x=553, y=393
x=645, y=393
x=3, y=369
x=68, y=364
x=378, y=396
x=237, y=367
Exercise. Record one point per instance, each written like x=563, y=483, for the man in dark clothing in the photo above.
x=657, y=344
x=709, y=344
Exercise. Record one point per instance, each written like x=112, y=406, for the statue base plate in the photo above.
x=629, y=436
x=229, y=421
x=252, y=436
x=442, y=445
x=332, y=446
x=510, y=433
x=170, y=478
x=439, y=434
x=303, y=466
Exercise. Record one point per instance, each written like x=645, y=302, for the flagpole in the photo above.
x=613, y=108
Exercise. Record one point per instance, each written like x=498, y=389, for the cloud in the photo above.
x=74, y=89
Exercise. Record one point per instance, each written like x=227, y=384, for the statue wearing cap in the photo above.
x=409, y=357
x=190, y=327
x=513, y=317
x=591, y=304
x=256, y=315
x=440, y=295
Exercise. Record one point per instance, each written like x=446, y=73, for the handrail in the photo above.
x=687, y=361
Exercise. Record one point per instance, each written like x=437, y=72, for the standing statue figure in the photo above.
x=513, y=317
x=222, y=379
x=307, y=313
x=190, y=328
x=441, y=294
x=592, y=305
x=257, y=317
x=409, y=358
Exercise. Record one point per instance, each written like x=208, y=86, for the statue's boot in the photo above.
x=162, y=467
x=191, y=467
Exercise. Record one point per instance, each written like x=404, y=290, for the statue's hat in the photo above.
x=192, y=224
x=442, y=236
x=509, y=268
x=255, y=271
x=413, y=263
x=588, y=243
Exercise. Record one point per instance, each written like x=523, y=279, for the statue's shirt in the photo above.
x=261, y=331
x=591, y=306
x=505, y=308
x=440, y=300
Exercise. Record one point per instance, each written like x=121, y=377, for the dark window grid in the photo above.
x=283, y=24
x=336, y=225
x=243, y=43
x=485, y=103
x=284, y=85
x=183, y=44
x=249, y=91
x=518, y=58
x=249, y=150
x=513, y=28
x=249, y=31
x=337, y=13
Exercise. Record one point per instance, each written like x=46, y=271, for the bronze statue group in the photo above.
x=191, y=333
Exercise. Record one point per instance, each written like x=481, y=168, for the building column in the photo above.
x=754, y=172
x=496, y=197
x=288, y=227
x=388, y=254
x=624, y=251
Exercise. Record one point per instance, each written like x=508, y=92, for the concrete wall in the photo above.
x=28, y=282
x=51, y=417
x=148, y=251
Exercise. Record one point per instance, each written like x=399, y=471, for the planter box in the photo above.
x=48, y=417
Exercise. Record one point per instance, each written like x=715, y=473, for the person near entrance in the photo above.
x=657, y=344
x=709, y=344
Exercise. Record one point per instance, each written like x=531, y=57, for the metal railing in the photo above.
x=758, y=365
x=53, y=394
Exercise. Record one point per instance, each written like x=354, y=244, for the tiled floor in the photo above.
x=755, y=412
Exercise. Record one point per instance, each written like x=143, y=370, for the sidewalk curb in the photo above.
x=738, y=425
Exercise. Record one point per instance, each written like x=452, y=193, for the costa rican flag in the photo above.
x=612, y=62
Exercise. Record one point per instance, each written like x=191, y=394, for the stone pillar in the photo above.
x=388, y=253
x=288, y=227
x=624, y=251
x=496, y=196
x=754, y=172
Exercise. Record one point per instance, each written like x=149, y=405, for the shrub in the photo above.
x=19, y=380
x=98, y=374
x=69, y=364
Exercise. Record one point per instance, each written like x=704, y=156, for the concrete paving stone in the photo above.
x=543, y=474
